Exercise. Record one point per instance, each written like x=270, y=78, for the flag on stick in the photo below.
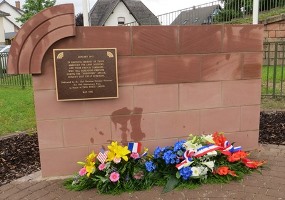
x=102, y=156
x=134, y=147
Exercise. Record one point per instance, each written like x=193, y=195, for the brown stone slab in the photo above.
x=217, y=67
x=200, y=39
x=178, y=69
x=30, y=27
x=118, y=37
x=155, y=40
x=243, y=38
x=136, y=70
x=85, y=74
x=252, y=63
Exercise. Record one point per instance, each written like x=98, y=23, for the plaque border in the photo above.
x=86, y=99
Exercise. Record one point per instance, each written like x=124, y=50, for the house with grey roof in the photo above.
x=197, y=16
x=10, y=22
x=121, y=12
x=2, y=31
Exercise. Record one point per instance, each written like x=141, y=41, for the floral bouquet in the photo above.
x=119, y=169
x=200, y=159
x=187, y=164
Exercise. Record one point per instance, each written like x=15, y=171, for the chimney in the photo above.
x=18, y=5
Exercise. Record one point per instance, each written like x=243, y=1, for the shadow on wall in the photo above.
x=133, y=119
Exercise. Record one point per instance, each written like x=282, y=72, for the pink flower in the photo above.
x=82, y=171
x=117, y=160
x=135, y=155
x=138, y=175
x=114, y=176
x=102, y=166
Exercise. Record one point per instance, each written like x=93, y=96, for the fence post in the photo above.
x=85, y=12
x=1, y=67
x=275, y=70
x=22, y=81
x=255, y=11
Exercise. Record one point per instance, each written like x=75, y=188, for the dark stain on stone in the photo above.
x=92, y=140
x=122, y=117
x=135, y=121
x=101, y=133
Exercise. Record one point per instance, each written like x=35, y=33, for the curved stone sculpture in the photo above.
x=37, y=35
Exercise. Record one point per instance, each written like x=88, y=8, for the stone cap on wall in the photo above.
x=37, y=35
x=273, y=19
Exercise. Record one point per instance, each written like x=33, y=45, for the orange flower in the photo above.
x=224, y=171
x=252, y=164
x=232, y=173
x=237, y=156
x=219, y=139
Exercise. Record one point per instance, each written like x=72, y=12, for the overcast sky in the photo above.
x=156, y=6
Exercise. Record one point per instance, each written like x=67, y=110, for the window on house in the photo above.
x=121, y=20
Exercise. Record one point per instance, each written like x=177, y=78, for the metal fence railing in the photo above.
x=22, y=80
x=273, y=70
x=219, y=11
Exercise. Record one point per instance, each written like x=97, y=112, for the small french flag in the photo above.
x=134, y=147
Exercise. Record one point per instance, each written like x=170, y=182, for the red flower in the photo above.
x=219, y=139
x=252, y=163
x=223, y=170
x=237, y=156
x=232, y=173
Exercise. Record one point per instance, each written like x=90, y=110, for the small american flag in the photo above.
x=102, y=156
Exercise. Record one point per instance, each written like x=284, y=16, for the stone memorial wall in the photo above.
x=172, y=81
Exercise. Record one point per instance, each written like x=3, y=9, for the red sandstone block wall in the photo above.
x=274, y=31
x=173, y=81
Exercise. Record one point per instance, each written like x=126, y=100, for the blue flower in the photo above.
x=179, y=145
x=170, y=157
x=150, y=166
x=185, y=172
x=157, y=152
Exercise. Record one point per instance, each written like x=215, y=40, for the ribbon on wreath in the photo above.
x=226, y=149
x=188, y=154
x=206, y=149
x=230, y=148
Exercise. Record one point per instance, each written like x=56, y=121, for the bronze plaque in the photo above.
x=85, y=74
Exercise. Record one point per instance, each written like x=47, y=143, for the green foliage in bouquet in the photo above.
x=119, y=171
x=186, y=164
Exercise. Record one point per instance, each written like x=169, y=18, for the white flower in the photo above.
x=191, y=146
x=208, y=138
x=196, y=171
x=212, y=153
x=209, y=164
x=203, y=170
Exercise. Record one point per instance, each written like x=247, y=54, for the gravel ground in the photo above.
x=272, y=128
x=19, y=156
x=20, y=153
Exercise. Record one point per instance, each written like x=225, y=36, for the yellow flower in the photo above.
x=90, y=169
x=90, y=163
x=91, y=157
x=117, y=151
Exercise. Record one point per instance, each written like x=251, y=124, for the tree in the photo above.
x=239, y=8
x=32, y=7
x=79, y=19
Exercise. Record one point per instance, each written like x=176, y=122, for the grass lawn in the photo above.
x=16, y=110
x=267, y=80
x=268, y=103
x=262, y=16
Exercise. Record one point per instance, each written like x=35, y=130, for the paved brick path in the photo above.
x=266, y=186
